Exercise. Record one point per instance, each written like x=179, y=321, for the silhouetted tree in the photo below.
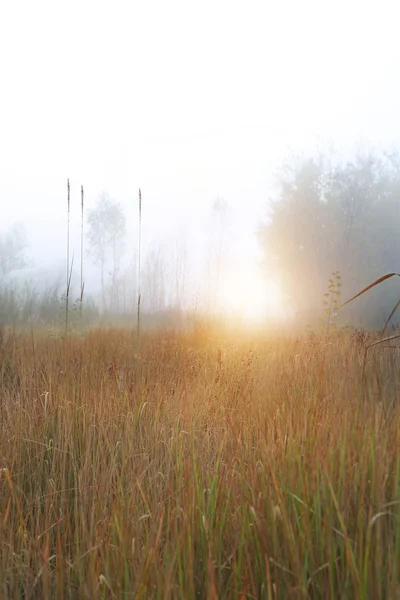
x=12, y=250
x=106, y=236
x=324, y=219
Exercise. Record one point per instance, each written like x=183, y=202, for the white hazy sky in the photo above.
x=188, y=100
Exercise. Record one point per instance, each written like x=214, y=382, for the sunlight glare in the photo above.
x=246, y=295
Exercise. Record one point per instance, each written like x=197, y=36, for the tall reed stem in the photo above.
x=68, y=271
x=82, y=282
x=139, y=269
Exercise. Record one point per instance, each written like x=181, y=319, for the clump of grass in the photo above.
x=213, y=466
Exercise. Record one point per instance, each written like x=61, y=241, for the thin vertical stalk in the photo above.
x=82, y=282
x=68, y=271
x=139, y=269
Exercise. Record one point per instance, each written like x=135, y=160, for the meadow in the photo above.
x=205, y=464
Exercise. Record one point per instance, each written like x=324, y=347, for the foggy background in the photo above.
x=229, y=116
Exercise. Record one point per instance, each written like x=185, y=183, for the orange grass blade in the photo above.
x=377, y=282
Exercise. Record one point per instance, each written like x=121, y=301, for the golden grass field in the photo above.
x=207, y=465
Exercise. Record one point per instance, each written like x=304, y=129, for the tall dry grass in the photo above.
x=212, y=466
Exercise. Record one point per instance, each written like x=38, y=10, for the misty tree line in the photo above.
x=324, y=217
x=163, y=274
x=24, y=301
x=328, y=217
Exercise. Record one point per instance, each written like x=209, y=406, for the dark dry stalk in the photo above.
x=329, y=317
x=82, y=282
x=68, y=270
x=139, y=293
x=390, y=318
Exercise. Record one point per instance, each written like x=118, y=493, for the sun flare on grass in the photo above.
x=248, y=296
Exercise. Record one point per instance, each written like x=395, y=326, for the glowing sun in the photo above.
x=248, y=296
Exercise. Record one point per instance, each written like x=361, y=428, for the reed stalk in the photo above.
x=139, y=272
x=82, y=282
